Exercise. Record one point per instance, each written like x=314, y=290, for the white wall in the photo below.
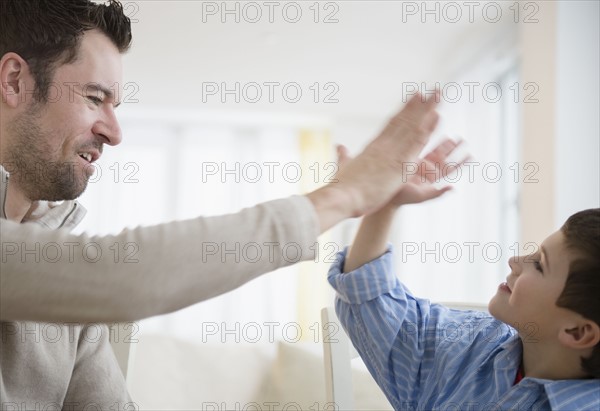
x=577, y=145
x=559, y=53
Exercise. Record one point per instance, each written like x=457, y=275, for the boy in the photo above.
x=539, y=349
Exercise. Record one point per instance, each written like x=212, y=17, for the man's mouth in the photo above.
x=86, y=156
x=89, y=156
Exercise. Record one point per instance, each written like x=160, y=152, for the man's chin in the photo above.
x=72, y=194
x=63, y=191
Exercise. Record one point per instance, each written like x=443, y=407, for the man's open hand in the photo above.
x=370, y=180
x=376, y=174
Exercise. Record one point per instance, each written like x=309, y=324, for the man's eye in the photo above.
x=538, y=266
x=96, y=100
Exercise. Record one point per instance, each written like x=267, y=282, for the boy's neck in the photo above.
x=551, y=361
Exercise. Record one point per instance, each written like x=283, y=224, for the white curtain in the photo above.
x=165, y=171
x=451, y=249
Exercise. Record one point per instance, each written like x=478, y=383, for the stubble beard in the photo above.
x=34, y=165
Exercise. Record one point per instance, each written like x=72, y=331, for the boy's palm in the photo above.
x=419, y=187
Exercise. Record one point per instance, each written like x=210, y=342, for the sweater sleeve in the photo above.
x=52, y=275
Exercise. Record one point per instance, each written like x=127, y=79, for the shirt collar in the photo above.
x=573, y=394
x=562, y=394
x=506, y=363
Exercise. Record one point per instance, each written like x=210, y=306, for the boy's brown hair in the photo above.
x=582, y=288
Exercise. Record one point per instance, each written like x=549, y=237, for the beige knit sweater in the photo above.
x=49, y=275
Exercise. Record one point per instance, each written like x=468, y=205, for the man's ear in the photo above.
x=13, y=71
x=580, y=334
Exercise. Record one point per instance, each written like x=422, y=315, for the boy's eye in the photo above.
x=538, y=266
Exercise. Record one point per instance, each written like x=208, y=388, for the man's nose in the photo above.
x=108, y=127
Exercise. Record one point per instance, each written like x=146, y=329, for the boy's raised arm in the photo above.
x=372, y=237
x=389, y=327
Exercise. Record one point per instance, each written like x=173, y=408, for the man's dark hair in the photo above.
x=47, y=33
x=582, y=288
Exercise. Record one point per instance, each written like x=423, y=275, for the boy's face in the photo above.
x=527, y=301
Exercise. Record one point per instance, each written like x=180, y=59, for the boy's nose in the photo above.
x=514, y=264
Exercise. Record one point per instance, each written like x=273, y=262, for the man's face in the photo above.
x=53, y=144
x=527, y=301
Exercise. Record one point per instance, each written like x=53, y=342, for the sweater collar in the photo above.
x=52, y=215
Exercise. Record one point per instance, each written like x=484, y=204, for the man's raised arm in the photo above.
x=155, y=270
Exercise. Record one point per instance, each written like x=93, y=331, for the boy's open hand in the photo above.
x=419, y=186
x=373, y=177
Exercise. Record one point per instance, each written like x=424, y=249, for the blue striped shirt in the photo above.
x=426, y=356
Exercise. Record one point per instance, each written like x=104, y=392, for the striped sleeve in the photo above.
x=386, y=324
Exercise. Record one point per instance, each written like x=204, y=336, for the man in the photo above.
x=60, y=71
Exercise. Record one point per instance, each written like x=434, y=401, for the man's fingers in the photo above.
x=434, y=100
x=419, y=101
x=418, y=109
x=430, y=121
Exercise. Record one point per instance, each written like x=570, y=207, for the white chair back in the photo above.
x=339, y=352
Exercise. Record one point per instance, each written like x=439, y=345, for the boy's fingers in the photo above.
x=440, y=154
x=452, y=167
x=438, y=192
x=342, y=154
x=444, y=148
x=429, y=170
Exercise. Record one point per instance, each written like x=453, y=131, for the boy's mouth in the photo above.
x=504, y=287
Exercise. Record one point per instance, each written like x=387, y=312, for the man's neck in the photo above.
x=551, y=361
x=17, y=204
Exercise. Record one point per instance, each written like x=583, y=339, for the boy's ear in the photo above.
x=580, y=335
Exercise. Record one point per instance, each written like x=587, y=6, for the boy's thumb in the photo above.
x=342, y=154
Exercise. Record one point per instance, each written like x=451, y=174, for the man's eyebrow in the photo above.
x=545, y=253
x=106, y=91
